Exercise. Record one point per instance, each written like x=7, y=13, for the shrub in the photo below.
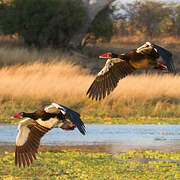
x=42, y=22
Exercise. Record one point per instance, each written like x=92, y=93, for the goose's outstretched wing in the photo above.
x=27, y=141
x=108, y=78
x=166, y=56
x=73, y=116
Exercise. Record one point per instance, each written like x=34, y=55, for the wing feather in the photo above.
x=100, y=89
x=111, y=82
x=73, y=116
x=166, y=56
x=95, y=95
x=94, y=89
x=104, y=87
x=108, y=86
x=26, y=149
x=108, y=78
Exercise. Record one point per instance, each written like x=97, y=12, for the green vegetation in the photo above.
x=93, y=113
x=42, y=23
x=83, y=165
x=148, y=17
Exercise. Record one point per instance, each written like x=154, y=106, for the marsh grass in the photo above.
x=32, y=78
x=83, y=165
x=30, y=86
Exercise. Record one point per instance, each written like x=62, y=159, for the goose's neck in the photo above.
x=30, y=115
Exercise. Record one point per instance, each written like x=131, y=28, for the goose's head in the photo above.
x=19, y=115
x=108, y=55
x=148, y=49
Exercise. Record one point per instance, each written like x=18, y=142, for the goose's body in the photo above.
x=36, y=124
x=119, y=66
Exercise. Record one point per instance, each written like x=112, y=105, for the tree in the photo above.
x=145, y=16
x=43, y=22
x=49, y=22
x=92, y=9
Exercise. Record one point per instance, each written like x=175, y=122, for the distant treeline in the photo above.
x=44, y=23
x=148, y=17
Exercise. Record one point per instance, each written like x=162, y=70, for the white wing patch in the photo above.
x=109, y=64
x=52, y=108
x=23, y=131
x=52, y=122
x=59, y=107
x=56, y=105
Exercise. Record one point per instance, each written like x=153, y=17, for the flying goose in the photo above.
x=36, y=124
x=119, y=66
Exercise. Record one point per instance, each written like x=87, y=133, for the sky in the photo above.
x=129, y=1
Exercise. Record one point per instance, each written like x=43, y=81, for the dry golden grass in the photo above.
x=64, y=83
x=57, y=81
x=148, y=87
x=62, y=80
x=167, y=41
x=36, y=78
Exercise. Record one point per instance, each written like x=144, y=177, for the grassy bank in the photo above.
x=137, y=99
x=83, y=165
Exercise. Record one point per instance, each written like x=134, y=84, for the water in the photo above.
x=145, y=136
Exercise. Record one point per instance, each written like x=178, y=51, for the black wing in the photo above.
x=108, y=78
x=167, y=57
x=73, y=116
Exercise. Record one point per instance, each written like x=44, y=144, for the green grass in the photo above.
x=131, y=120
x=95, y=113
x=102, y=166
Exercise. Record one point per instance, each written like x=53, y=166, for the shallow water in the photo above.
x=137, y=136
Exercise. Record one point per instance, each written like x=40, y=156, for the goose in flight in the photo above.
x=36, y=124
x=119, y=66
